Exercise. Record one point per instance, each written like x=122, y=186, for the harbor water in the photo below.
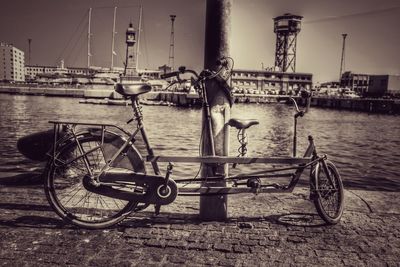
x=365, y=147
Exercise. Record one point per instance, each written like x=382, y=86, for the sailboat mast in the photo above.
x=138, y=39
x=88, y=38
x=112, y=42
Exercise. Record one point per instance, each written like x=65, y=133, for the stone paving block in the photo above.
x=199, y=246
x=295, y=239
x=269, y=243
x=257, y=249
x=154, y=243
x=177, y=259
x=231, y=241
x=247, y=242
x=177, y=244
x=212, y=260
x=241, y=249
x=135, y=241
x=257, y=237
x=224, y=247
x=227, y=262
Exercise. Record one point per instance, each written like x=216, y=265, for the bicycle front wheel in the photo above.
x=329, y=193
x=66, y=193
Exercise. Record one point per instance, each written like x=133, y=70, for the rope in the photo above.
x=72, y=37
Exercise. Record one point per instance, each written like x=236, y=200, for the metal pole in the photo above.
x=138, y=39
x=342, y=62
x=216, y=46
x=88, y=38
x=112, y=40
x=29, y=51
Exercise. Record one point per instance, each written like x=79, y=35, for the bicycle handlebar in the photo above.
x=300, y=113
x=169, y=74
x=205, y=74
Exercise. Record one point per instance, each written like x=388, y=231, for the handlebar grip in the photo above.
x=169, y=75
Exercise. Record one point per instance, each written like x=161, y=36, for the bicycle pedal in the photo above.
x=138, y=190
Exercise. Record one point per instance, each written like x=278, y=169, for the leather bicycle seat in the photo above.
x=242, y=123
x=132, y=89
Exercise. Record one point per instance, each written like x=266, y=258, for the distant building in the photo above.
x=269, y=82
x=12, y=62
x=380, y=85
x=33, y=72
x=355, y=81
x=333, y=84
x=371, y=84
x=150, y=74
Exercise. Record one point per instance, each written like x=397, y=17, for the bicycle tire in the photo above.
x=329, y=202
x=66, y=194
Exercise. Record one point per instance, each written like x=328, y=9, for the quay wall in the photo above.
x=371, y=105
x=46, y=91
x=90, y=92
x=179, y=98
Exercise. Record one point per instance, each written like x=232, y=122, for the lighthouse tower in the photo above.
x=130, y=62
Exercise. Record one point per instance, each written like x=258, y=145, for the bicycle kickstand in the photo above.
x=157, y=208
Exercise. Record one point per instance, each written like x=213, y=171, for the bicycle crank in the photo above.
x=131, y=186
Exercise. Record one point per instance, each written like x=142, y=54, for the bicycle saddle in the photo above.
x=242, y=123
x=132, y=89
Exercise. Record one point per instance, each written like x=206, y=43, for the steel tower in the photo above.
x=171, y=44
x=286, y=28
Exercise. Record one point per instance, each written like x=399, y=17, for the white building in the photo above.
x=33, y=72
x=269, y=82
x=12, y=63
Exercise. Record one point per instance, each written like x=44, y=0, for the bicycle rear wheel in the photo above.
x=66, y=193
x=329, y=195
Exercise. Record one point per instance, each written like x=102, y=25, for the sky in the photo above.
x=58, y=29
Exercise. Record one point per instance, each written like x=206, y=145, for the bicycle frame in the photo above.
x=309, y=158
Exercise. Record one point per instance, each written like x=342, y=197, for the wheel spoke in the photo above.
x=68, y=195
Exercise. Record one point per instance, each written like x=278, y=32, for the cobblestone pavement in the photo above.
x=267, y=230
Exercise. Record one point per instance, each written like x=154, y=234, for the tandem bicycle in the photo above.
x=96, y=176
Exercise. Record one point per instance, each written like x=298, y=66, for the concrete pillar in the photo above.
x=216, y=46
